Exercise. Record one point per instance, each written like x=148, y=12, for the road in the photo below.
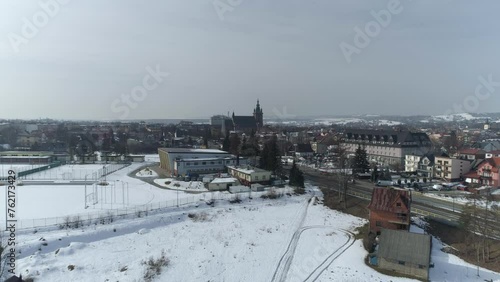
x=441, y=210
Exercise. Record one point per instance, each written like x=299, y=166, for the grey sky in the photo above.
x=284, y=52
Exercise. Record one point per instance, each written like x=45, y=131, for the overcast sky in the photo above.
x=87, y=54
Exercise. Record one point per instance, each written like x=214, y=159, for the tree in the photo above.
x=225, y=144
x=375, y=174
x=342, y=165
x=270, y=158
x=297, y=179
x=234, y=144
x=361, y=164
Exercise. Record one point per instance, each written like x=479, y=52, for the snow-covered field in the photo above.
x=263, y=240
x=38, y=205
x=191, y=186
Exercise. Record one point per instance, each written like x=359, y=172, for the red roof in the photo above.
x=385, y=199
x=470, y=151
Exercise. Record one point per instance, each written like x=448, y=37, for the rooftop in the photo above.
x=405, y=246
x=385, y=199
x=192, y=151
x=246, y=169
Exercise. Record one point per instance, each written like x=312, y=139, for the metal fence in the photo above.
x=109, y=215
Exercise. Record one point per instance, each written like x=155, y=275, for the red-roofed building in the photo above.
x=389, y=209
x=471, y=154
x=487, y=173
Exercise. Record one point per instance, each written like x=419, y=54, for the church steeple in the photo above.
x=258, y=114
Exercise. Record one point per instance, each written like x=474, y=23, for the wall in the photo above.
x=408, y=268
x=384, y=218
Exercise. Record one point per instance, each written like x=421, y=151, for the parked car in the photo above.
x=384, y=183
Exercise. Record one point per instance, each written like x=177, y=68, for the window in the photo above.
x=204, y=163
x=378, y=223
x=421, y=266
x=398, y=204
x=188, y=164
x=256, y=177
x=195, y=163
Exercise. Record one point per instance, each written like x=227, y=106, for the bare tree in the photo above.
x=343, y=170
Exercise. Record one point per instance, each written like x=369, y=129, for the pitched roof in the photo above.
x=471, y=151
x=245, y=121
x=385, y=199
x=405, y=246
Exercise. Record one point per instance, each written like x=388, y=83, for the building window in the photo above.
x=195, y=163
x=421, y=266
x=378, y=223
x=204, y=163
x=398, y=204
x=188, y=164
x=256, y=178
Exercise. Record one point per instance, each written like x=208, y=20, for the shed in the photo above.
x=405, y=252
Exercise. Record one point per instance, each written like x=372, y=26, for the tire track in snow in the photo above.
x=286, y=259
x=316, y=273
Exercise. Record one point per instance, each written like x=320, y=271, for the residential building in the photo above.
x=405, y=253
x=487, y=173
x=390, y=209
x=387, y=147
x=426, y=166
x=303, y=150
x=471, y=154
x=185, y=161
x=411, y=163
x=248, y=175
x=451, y=169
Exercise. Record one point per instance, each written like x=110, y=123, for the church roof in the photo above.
x=245, y=121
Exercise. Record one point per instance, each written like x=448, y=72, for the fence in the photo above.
x=71, y=172
x=109, y=215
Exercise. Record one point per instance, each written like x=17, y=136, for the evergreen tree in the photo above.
x=375, y=174
x=270, y=158
x=234, y=144
x=297, y=179
x=225, y=144
x=360, y=164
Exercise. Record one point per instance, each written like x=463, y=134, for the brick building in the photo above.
x=389, y=209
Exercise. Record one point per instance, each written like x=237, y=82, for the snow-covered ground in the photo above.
x=191, y=186
x=147, y=172
x=460, y=199
x=287, y=239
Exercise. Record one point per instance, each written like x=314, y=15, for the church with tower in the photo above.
x=248, y=124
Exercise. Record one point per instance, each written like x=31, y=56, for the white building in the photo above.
x=411, y=162
x=220, y=184
x=248, y=175
x=181, y=161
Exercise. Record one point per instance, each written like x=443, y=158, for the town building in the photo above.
x=422, y=165
x=222, y=184
x=451, y=169
x=185, y=161
x=405, y=253
x=389, y=208
x=303, y=150
x=387, y=147
x=248, y=175
x=487, y=173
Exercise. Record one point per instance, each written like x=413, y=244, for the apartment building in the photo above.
x=451, y=169
x=387, y=147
